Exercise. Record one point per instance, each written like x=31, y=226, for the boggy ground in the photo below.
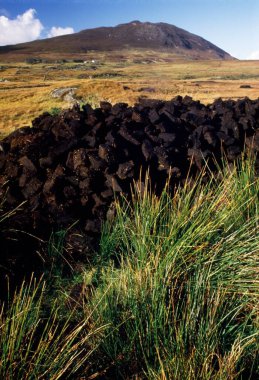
x=25, y=89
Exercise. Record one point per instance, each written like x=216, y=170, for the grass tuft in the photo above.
x=36, y=346
x=173, y=292
x=177, y=280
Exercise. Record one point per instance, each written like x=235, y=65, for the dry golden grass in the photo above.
x=25, y=90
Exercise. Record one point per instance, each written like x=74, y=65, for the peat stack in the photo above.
x=68, y=168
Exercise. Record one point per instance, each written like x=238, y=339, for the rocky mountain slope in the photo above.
x=133, y=35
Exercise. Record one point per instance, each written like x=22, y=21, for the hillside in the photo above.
x=133, y=35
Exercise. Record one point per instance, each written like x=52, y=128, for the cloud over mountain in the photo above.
x=56, y=31
x=26, y=27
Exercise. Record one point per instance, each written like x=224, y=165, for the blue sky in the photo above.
x=232, y=25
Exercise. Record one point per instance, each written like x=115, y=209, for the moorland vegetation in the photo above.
x=26, y=89
x=172, y=292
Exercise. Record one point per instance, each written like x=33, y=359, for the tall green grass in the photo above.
x=34, y=345
x=39, y=338
x=173, y=293
x=178, y=280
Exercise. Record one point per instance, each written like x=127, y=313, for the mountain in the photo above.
x=134, y=35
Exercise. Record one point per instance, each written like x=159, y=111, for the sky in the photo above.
x=232, y=25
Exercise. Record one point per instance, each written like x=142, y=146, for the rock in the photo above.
x=210, y=137
x=31, y=188
x=106, y=106
x=52, y=180
x=147, y=150
x=137, y=116
x=66, y=94
x=167, y=137
x=107, y=152
x=27, y=164
x=96, y=162
x=128, y=137
x=126, y=170
x=112, y=182
x=76, y=159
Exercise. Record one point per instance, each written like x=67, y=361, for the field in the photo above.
x=25, y=89
x=171, y=290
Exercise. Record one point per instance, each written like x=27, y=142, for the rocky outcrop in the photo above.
x=67, y=94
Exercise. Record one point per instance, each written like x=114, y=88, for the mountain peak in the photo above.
x=136, y=22
x=132, y=35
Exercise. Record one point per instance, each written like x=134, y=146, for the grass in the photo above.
x=178, y=282
x=175, y=283
x=39, y=337
x=55, y=111
x=25, y=91
x=38, y=346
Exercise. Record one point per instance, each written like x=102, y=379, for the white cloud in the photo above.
x=254, y=55
x=25, y=27
x=58, y=31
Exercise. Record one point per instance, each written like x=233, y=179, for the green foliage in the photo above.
x=55, y=253
x=37, y=347
x=55, y=111
x=58, y=263
x=92, y=100
x=177, y=280
x=174, y=286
